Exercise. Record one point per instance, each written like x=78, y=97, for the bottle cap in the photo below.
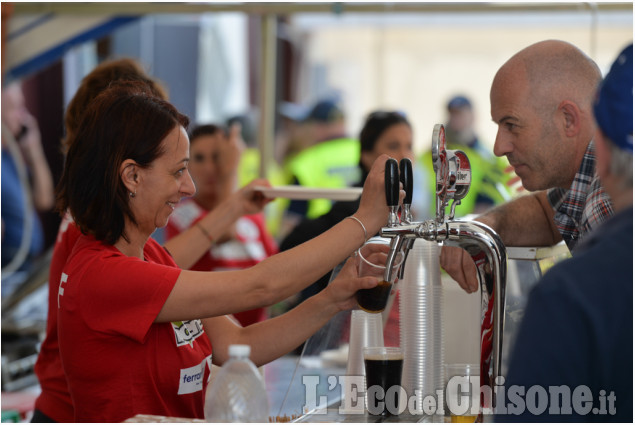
x=239, y=350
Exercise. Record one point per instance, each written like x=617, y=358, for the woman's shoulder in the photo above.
x=89, y=252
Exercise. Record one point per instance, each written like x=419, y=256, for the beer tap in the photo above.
x=405, y=177
x=391, y=182
x=391, y=178
x=453, y=176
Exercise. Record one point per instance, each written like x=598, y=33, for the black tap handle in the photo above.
x=392, y=182
x=405, y=176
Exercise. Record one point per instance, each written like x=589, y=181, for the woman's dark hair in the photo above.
x=98, y=80
x=126, y=121
x=204, y=130
x=376, y=123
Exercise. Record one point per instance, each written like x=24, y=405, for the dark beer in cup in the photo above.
x=374, y=300
x=383, y=367
x=372, y=258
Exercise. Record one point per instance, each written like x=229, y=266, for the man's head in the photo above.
x=541, y=101
x=460, y=125
x=325, y=121
x=613, y=110
x=13, y=108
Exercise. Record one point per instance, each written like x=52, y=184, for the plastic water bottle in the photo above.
x=237, y=393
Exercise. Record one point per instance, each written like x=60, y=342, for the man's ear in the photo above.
x=128, y=173
x=571, y=117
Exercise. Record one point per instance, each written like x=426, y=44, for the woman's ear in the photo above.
x=128, y=173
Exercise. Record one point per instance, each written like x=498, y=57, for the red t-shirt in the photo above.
x=251, y=245
x=118, y=362
x=55, y=400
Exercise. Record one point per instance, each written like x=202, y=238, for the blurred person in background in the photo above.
x=246, y=241
x=384, y=132
x=24, y=167
x=541, y=100
x=249, y=162
x=249, y=167
x=488, y=179
x=577, y=331
x=328, y=159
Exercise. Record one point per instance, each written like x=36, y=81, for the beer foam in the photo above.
x=383, y=356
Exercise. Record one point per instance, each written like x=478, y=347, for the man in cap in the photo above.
x=330, y=160
x=577, y=330
x=488, y=177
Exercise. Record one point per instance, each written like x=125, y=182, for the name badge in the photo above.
x=191, y=379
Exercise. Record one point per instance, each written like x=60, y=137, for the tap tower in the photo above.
x=453, y=176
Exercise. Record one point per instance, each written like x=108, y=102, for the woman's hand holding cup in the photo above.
x=341, y=291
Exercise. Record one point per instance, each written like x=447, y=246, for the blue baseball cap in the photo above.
x=458, y=102
x=614, y=102
x=326, y=110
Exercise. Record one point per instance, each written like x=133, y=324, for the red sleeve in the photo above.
x=123, y=295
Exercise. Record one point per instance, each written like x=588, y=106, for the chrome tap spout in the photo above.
x=488, y=252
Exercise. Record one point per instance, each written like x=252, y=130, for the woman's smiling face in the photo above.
x=164, y=183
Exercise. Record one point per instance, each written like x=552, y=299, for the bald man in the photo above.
x=576, y=337
x=541, y=101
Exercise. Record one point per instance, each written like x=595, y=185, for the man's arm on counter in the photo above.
x=525, y=221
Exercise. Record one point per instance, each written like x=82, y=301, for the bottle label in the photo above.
x=191, y=379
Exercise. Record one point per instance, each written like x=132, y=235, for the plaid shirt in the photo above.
x=584, y=206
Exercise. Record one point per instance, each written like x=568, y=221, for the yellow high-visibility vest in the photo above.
x=329, y=164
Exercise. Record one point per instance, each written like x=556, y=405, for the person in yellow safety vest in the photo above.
x=330, y=161
x=249, y=169
x=488, y=187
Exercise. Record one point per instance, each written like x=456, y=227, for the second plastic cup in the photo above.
x=462, y=392
x=372, y=259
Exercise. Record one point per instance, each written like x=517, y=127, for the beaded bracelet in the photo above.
x=352, y=217
x=205, y=232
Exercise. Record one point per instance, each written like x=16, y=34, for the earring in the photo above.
x=132, y=195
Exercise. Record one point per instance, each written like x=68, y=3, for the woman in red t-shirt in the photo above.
x=128, y=318
x=246, y=242
x=54, y=404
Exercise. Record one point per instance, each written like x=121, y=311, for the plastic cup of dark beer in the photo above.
x=383, y=366
x=372, y=258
